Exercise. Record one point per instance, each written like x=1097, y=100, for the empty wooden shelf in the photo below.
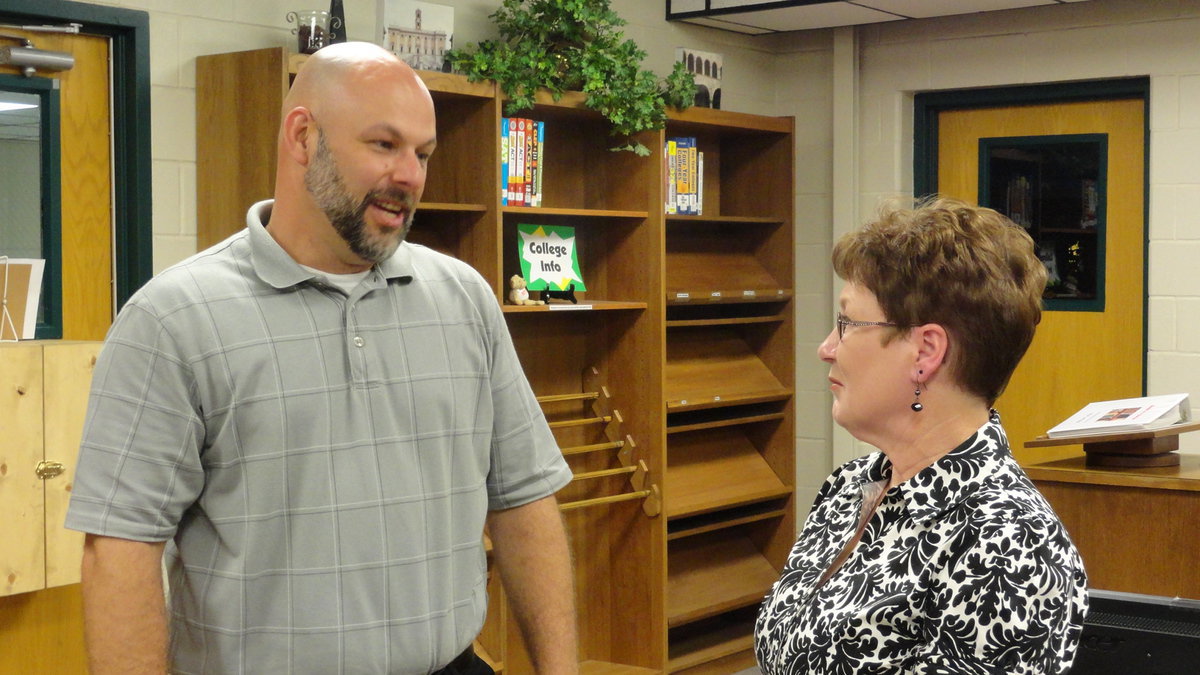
x=716, y=469
x=715, y=267
x=726, y=636
x=708, y=576
x=776, y=509
x=716, y=368
x=604, y=668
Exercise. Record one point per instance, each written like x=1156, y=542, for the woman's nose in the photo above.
x=828, y=347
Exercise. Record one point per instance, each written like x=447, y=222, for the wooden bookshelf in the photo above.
x=728, y=387
x=690, y=390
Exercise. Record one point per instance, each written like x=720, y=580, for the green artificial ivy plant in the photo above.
x=565, y=45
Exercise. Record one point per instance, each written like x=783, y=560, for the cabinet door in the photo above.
x=23, y=554
x=68, y=375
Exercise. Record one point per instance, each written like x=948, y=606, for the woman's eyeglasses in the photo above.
x=842, y=322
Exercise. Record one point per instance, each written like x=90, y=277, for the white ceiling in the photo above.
x=758, y=17
x=22, y=124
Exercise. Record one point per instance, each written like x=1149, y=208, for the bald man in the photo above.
x=310, y=422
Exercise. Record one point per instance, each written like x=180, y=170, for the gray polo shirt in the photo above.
x=323, y=463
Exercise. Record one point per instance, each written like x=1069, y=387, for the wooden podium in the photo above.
x=1134, y=524
x=1126, y=449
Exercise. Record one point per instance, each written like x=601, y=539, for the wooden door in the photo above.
x=1076, y=356
x=42, y=632
x=86, y=175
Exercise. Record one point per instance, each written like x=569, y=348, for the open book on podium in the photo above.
x=1130, y=432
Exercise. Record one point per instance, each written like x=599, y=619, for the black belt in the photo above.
x=459, y=664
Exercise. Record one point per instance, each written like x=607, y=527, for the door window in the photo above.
x=30, y=213
x=1054, y=186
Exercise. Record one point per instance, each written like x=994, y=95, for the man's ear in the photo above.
x=933, y=348
x=299, y=132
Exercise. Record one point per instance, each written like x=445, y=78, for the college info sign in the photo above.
x=549, y=260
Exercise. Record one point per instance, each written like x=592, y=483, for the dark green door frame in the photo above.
x=927, y=106
x=129, y=31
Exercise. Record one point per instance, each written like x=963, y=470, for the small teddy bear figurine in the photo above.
x=519, y=295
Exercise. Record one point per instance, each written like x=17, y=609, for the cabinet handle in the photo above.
x=48, y=470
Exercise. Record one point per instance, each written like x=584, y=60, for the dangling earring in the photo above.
x=916, y=404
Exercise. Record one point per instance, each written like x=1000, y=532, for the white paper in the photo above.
x=26, y=307
x=1127, y=414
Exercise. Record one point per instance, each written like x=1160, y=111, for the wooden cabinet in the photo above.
x=674, y=414
x=43, y=398
x=1133, y=526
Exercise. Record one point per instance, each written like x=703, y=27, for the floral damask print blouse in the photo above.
x=964, y=569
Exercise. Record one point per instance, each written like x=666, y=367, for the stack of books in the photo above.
x=522, y=159
x=684, y=173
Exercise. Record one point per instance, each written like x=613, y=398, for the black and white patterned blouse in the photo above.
x=963, y=569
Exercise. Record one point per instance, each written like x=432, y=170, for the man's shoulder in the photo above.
x=428, y=257
x=436, y=267
x=198, y=276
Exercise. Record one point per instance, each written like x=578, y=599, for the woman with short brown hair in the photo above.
x=935, y=554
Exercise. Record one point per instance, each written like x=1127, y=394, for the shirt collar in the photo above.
x=955, y=476
x=276, y=267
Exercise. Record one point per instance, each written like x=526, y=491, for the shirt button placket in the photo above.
x=358, y=367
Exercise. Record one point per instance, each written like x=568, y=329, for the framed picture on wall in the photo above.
x=420, y=33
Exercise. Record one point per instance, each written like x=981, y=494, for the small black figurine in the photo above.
x=337, y=22
x=568, y=294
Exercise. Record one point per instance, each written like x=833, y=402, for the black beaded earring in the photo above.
x=916, y=404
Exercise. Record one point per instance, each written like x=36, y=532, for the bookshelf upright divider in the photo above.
x=674, y=412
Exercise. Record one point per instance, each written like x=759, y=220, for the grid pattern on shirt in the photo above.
x=323, y=462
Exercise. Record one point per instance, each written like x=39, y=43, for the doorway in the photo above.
x=76, y=218
x=119, y=134
x=1091, y=344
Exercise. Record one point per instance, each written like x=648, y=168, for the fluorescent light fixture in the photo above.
x=7, y=106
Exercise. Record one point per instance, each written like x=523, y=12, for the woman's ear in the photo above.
x=299, y=131
x=932, y=343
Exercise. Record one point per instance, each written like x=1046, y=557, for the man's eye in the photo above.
x=385, y=145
